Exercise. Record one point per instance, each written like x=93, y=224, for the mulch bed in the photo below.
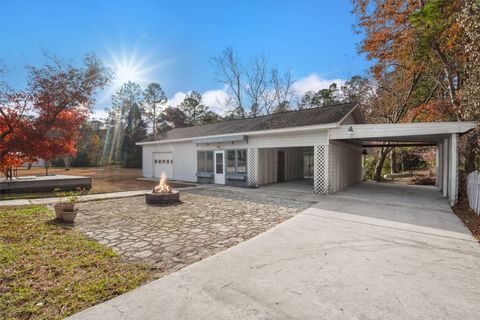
x=468, y=216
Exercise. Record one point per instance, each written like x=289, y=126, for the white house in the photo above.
x=323, y=144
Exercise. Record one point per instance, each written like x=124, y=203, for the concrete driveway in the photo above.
x=374, y=251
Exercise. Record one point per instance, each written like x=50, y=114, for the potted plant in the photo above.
x=65, y=209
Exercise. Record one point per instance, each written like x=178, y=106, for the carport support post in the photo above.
x=252, y=167
x=453, y=169
x=445, y=167
x=439, y=166
x=321, y=169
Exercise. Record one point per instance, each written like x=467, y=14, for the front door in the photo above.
x=219, y=167
x=281, y=166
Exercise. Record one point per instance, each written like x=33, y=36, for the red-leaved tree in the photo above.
x=44, y=123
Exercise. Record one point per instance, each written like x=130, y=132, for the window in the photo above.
x=231, y=161
x=237, y=161
x=242, y=161
x=204, y=161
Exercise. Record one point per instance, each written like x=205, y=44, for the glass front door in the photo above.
x=219, y=167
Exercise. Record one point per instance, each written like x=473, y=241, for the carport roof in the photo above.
x=426, y=132
x=291, y=119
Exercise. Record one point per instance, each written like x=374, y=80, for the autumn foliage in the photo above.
x=425, y=58
x=44, y=121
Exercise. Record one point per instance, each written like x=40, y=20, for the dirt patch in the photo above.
x=109, y=179
x=468, y=217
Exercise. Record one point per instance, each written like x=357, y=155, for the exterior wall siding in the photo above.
x=184, y=160
x=185, y=154
x=345, y=165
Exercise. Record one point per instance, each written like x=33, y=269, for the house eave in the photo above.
x=248, y=133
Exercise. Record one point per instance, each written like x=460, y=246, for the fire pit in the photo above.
x=162, y=194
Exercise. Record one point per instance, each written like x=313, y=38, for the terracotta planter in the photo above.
x=69, y=216
x=60, y=207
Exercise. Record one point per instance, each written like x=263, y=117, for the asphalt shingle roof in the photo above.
x=307, y=117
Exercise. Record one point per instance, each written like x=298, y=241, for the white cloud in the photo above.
x=313, y=82
x=216, y=99
x=176, y=99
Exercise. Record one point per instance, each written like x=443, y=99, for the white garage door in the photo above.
x=163, y=162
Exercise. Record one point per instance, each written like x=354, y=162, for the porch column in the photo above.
x=445, y=167
x=252, y=167
x=453, y=169
x=320, y=169
x=439, y=166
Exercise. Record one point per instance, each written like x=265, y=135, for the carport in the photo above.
x=346, y=143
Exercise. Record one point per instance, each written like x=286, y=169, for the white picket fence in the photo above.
x=473, y=191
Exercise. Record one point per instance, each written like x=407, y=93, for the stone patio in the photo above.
x=206, y=222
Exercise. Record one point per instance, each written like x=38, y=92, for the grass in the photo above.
x=49, y=270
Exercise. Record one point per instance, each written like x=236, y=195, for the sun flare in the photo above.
x=129, y=67
x=125, y=73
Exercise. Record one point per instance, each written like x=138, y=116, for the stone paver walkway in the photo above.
x=206, y=222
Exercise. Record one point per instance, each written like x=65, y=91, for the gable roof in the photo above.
x=289, y=119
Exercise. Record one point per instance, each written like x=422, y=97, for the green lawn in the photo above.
x=49, y=270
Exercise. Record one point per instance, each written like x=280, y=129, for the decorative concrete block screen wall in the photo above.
x=345, y=165
x=320, y=169
x=252, y=167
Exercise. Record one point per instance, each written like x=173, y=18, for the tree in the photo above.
x=436, y=42
x=193, y=108
x=135, y=131
x=282, y=107
x=127, y=95
x=211, y=117
x=327, y=97
x=392, y=42
x=13, y=124
x=390, y=103
x=173, y=118
x=90, y=145
x=357, y=89
x=254, y=84
x=61, y=138
x=154, y=98
x=306, y=100
x=321, y=98
x=229, y=72
x=470, y=93
x=130, y=94
x=44, y=121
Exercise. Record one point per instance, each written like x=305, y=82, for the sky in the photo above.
x=171, y=42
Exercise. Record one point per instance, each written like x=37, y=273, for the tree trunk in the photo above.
x=470, y=149
x=154, y=120
x=379, y=164
x=8, y=172
x=393, y=161
x=66, y=161
x=46, y=167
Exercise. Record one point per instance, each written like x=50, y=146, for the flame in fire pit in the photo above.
x=163, y=186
